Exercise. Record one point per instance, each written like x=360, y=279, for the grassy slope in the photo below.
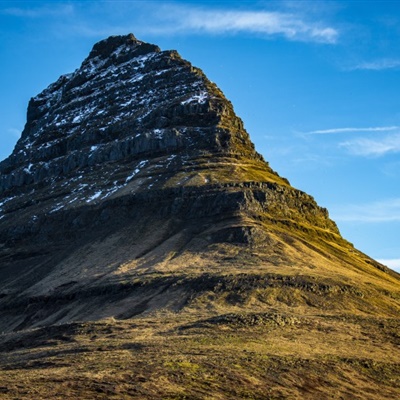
x=317, y=327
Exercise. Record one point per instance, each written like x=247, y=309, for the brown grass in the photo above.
x=175, y=356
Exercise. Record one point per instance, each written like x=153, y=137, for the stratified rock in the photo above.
x=134, y=187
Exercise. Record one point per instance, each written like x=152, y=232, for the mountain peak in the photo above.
x=106, y=47
x=117, y=46
x=138, y=152
x=144, y=240
x=128, y=98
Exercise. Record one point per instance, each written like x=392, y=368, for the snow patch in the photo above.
x=94, y=197
x=6, y=200
x=136, y=171
x=57, y=208
x=28, y=169
x=200, y=98
x=158, y=133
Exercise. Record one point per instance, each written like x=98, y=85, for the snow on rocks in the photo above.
x=136, y=171
x=94, y=196
x=124, y=103
x=200, y=98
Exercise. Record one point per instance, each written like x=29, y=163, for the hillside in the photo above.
x=148, y=251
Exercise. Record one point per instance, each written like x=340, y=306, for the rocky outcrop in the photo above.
x=128, y=99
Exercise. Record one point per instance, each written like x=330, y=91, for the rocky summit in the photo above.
x=148, y=251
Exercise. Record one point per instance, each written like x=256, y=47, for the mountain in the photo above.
x=144, y=240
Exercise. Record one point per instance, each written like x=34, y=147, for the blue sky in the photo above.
x=317, y=84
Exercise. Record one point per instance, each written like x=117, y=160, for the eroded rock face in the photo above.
x=136, y=164
x=131, y=119
x=128, y=99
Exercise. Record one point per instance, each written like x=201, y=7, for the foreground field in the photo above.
x=176, y=356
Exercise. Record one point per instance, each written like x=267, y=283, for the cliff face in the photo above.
x=134, y=172
x=127, y=100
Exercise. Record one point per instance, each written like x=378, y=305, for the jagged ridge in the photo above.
x=128, y=98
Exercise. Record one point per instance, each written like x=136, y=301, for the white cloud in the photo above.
x=380, y=211
x=354, y=130
x=378, y=65
x=269, y=23
x=373, y=147
x=175, y=18
x=393, y=263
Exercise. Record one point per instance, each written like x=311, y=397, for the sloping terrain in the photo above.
x=147, y=250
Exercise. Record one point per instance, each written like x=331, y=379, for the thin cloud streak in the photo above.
x=373, y=147
x=378, y=65
x=175, y=19
x=377, y=212
x=288, y=25
x=59, y=10
x=353, y=130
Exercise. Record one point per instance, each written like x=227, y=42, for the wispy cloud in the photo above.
x=38, y=12
x=378, y=65
x=366, y=145
x=393, y=263
x=354, y=130
x=174, y=18
x=376, y=212
x=292, y=26
x=373, y=147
